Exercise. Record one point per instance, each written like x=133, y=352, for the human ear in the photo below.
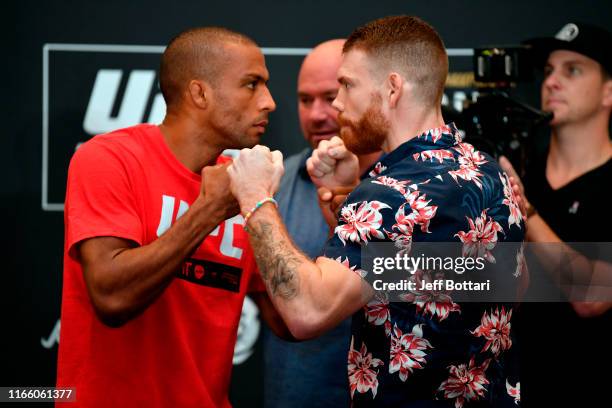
x=197, y=93
x=395, y=84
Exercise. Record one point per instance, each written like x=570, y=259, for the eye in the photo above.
x=547, y=71
x=574, y=70
x=252, y=85
x=306, y=100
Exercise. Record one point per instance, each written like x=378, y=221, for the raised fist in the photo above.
x=255, y=175
x=332, y=165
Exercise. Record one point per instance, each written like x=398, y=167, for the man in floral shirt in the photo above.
x=433, y=188
x=426, y=350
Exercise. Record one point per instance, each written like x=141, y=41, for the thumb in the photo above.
x=338, y=152
x=325, y=194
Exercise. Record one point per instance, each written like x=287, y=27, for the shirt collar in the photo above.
x=442, y=137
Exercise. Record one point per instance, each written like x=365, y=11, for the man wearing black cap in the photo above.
x=566, y=348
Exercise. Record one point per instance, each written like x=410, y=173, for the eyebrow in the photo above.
x=325, y=93
x=257, y=77
x=565, y=63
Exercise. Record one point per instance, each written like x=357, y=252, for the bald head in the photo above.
x=317, y=88
x=323, y=61
x=199, y=53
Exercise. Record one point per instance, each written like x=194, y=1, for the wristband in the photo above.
x=257, y=206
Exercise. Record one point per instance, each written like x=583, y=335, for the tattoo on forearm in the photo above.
x=277, y=260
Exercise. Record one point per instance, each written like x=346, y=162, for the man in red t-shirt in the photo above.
x=157, y=262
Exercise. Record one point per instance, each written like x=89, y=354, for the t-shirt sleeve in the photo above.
x=367, y=216
x=100, y=199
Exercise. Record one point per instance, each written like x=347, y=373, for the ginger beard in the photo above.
x=367, y=134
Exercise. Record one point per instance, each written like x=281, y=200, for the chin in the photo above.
x=251, y=140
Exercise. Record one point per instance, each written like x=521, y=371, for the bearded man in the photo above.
x=430, y=187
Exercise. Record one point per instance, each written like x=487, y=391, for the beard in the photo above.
x=368, y=134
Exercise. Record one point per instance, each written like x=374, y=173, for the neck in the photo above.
x=189, y=141
x=406, y=125
x=579, y=147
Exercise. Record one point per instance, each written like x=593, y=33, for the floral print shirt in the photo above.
x=429, y=350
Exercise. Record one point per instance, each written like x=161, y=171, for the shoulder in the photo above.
x=379, y=188
x=118, y=145
x=603, y=171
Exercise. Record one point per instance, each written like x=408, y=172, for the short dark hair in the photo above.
x=195, y=53
x=408, y=45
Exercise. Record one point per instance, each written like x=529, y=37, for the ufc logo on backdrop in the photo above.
x=132, y=107
x=90, y=89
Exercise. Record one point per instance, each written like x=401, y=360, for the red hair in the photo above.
x=408, y=45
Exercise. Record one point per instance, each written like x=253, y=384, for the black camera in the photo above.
x=495, y=122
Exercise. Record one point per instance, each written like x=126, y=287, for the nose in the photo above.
x=551, y=81
x=337, y=103
x=318, y=112
x=267, y=102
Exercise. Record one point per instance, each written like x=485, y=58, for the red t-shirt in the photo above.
x=178, y=352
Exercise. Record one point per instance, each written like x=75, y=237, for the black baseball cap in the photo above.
x=586, y=39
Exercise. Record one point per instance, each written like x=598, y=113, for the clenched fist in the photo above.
x=332, y=165
x=255, y=175
x=214, y=190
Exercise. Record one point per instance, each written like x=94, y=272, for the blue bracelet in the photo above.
x=257, y=206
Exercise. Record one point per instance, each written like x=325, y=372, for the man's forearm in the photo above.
x=124, y=281
x=311, y=297
x=277, y=257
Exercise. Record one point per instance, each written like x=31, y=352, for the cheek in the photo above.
x=587, y=97
x=543, y=93
x=354, y=108
x=332, y=113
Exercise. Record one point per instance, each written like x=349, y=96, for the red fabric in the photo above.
x=178, y=352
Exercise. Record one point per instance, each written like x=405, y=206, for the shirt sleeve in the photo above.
x=100, y=199
x=367, y=216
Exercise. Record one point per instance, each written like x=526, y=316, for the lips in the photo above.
x=262, y=123
x=551, y=103
x=550, y=99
